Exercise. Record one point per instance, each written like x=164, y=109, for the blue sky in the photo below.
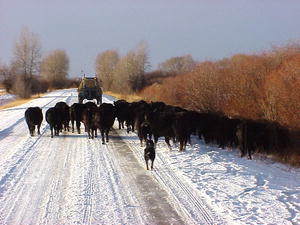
x=208, y=30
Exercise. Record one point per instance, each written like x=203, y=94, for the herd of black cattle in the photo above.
x=160, y=120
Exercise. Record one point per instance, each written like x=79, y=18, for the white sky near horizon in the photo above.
x=208, y=30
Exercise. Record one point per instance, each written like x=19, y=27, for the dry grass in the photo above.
x=129, y=98
x=19, y=102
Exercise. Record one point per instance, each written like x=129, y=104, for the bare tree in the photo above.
x=177, y=65
x=129, y=73
x=106, y=63
x=26, y=60
x=55, y=67
x=27, y=53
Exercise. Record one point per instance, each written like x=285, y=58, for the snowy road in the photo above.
x=73, y=180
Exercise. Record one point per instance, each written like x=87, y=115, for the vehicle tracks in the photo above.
x=187, y=198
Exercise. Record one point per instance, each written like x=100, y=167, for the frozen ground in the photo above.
x=73, y=180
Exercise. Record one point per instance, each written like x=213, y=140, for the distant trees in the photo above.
x=264, y=86
x=26, y=59
x=123, y=74
x=27, y=53
x=23, y=76
x=177, y=65
x=55, y=67
x=106, y=63
x=6, y=77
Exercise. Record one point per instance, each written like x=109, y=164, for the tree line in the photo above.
x=258, y=87
x=30, y=73
x=131, y=73
x=263, y=86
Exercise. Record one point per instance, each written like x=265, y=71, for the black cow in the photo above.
x=144, y=132
x=91, y=119
x=250, y=136
x=76, y=114
x=65, y=114
x=182, y=127
x=53, y=118
x=33, y=117
x=107, y=116
x=161, y=125
x=122, y=112
x=134, y=110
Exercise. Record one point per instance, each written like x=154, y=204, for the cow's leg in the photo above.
x=57, y=129
x=89, y=132
x=155, y=140
x=102, y=136
x=65, y=126
x=51, y=129
x=106, y=133
x=144, y=137
x=147, y=164
x=167, y=140
x=152, y=161
x=141, y=140
x=181, y=145
x=78, y=126
x=38, y=128
x=72, y=125
x=128, y=127
x=250, y=154
x=185, y=143
x=32, y=130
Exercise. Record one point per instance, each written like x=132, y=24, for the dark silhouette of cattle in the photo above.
x=263, y=137
x=158, y=106
x=34, y=117
x=144, y=132
x=149, y=153
x=107, y=115
x=122, y=112
x=76, y=114
x=91, y=119
x=53, y=118
x=161, y=125
x=182, y=127
x=65, y=114
x=134, y=110
x=250, y=136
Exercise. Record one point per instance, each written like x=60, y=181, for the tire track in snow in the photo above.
x=11, y=180
x=58, y=183
x=25, y=148
x=124, y=209
x=19, y=167
x=89, y=188
x=153, y=198
x=184, y=195
x=195, y=204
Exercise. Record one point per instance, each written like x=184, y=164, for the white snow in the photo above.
x=73, y=180
x=6, y=98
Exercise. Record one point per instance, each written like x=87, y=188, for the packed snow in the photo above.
x=71, y=179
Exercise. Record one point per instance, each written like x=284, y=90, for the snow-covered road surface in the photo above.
x=73, y=180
